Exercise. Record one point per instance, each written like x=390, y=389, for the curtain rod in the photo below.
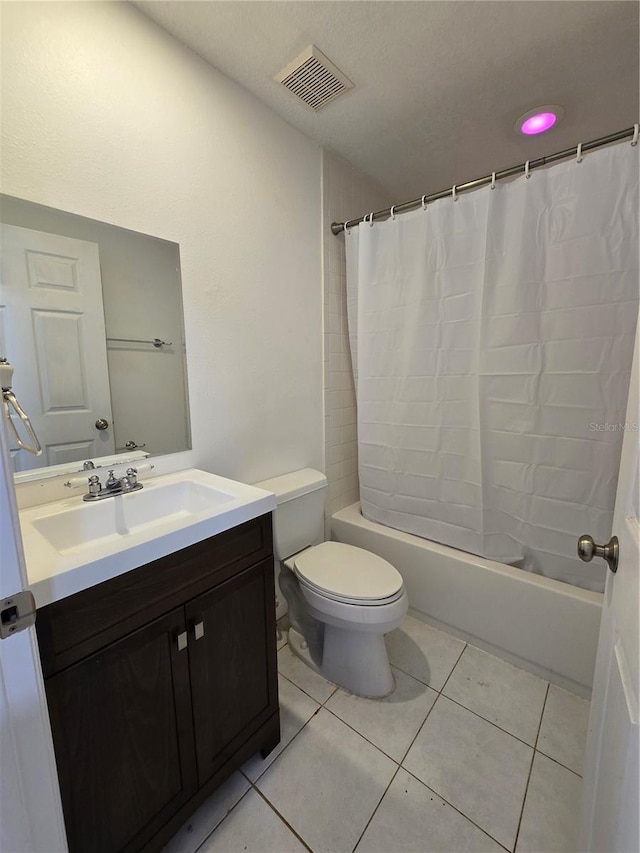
x=339, y=227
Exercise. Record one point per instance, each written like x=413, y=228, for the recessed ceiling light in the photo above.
x=539, y=120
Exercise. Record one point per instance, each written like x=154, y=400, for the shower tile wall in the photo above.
x=347, y=193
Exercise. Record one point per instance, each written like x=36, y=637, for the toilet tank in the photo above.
x=298, y=520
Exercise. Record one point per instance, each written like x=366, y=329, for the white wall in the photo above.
x=107, y=116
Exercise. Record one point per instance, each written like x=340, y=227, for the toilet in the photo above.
x=342, y=600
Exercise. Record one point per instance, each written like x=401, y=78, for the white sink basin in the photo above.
x=72, y=544
x=89, y=523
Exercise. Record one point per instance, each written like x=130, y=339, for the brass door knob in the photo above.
x=587, y=550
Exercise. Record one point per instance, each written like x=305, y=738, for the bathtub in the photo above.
x=542, y=625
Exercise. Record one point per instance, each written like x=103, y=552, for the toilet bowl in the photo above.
x=342, y=600
x=354, y=598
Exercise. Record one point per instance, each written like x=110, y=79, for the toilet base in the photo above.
x=356, y=661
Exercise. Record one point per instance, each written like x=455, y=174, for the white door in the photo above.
x=30, y=811
x=52, y=331
x=610, y=820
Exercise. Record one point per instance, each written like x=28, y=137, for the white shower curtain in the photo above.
x=491, y=339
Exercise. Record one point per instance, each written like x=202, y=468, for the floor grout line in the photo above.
x=355, y=731
x=455, y=808
x=446, y=681
x=384, y=794
x=363, y=736
x=526, y=788
x=544, y=705
x=306, y=692
x=379, y=748
x=283, y=819
x=358, y=732
x=282, y=751
x=222, y=820
x=433, y=704
x=466, y=708
x=491, y=722
x=559, y=763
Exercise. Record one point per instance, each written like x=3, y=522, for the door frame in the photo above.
x=30, y=806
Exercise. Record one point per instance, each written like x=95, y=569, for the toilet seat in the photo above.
x=344, y=599
x=348, y=574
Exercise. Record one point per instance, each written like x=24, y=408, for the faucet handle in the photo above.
x=143, y=467
x=95, y=486
x=112, y=481
x=76, y=482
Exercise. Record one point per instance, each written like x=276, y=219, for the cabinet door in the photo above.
x=123, y=737
x=232, y=655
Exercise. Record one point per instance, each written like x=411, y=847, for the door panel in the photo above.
x=71, y=451
x=612, y=765
x=48, y=270
x=121, y=722
x=62, y=380
x=233, y=665
x=54, y=335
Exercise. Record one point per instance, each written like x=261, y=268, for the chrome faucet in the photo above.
x=113, y=485
x=121, y=485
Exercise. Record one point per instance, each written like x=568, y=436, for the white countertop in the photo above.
x=59, y=563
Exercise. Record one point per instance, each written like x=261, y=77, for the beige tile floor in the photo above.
x=468, y=754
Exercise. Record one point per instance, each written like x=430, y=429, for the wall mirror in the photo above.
x=91, y=319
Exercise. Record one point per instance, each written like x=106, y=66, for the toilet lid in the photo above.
x=349, y=572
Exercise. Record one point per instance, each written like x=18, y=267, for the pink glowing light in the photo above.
x=538, y=123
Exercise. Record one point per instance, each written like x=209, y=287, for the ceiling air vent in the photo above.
x=314, y=79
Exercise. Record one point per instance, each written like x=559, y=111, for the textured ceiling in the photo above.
x=438, y=85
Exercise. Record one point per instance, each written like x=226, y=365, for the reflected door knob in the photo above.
x=587, y=550
x=102, y=423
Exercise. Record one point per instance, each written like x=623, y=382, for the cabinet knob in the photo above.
x=198, y=630
x=182, y=641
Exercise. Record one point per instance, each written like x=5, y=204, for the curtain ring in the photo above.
x=370, y=219
x=424, y=203
x=527, y=174
x=391, y=213
x=454, y=195
x=634, y=141
x=579, y=153
x=345, y=228
x=493, y=180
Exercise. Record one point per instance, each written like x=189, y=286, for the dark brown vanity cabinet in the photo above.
x=121, y=722
x=160, y=683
